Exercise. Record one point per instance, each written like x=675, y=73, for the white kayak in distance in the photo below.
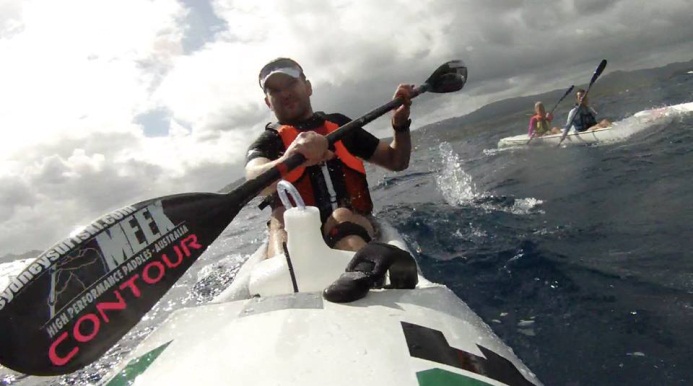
x=619, y=131
x=261, y=331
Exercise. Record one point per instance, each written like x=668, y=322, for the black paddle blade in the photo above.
x=77, y=299
x=598, y=71
x=449, y=77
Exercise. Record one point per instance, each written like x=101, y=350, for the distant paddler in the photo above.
x=540, y=123
x=583, y=117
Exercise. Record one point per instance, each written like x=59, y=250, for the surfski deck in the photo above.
x=425, y=336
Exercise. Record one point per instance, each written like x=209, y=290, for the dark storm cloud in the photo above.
x=586, y=8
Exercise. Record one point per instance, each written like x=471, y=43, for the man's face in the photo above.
x=288, y=97
x=581, y=98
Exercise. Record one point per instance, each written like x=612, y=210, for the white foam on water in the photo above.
x=525, y=205
x=665, y=111
x=459, y=189
x=646, y=119
x=453, y=182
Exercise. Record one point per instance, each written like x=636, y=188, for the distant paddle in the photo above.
x=553, y=109
x=77, y=299
x=597, y=72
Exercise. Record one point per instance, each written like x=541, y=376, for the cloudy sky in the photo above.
x=106, y=103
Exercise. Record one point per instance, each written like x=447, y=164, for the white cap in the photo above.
x=279, y=66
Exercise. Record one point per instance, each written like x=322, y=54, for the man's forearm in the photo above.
x=258, y=166
x=401, y=146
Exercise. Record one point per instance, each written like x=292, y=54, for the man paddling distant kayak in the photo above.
x=583, y=117
x=332, y=178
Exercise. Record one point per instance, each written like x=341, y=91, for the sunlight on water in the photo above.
x=215, y=277
x=8, y=379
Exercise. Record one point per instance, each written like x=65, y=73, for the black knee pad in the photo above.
x=367, y=270
x=377, y=258
x=343, y=230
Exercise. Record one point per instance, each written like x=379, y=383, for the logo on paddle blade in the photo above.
x=52, y=258
x=95, y=315
x=93, y=285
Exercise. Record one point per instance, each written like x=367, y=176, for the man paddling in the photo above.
x=332, y=178
x=583, y=117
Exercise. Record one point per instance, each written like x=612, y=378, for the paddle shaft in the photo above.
x=252, y=188
x=561, y=100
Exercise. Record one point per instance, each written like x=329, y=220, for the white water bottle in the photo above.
x=315, y=265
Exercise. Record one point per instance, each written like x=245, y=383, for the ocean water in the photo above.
x=579, y=258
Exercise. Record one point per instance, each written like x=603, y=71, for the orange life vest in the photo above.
x=347, y=176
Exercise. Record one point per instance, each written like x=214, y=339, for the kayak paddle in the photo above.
x=597, y=72
x=554, y=108
x=78, y=298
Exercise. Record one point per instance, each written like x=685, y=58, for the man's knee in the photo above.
x=344, y=215
x=347, y=230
